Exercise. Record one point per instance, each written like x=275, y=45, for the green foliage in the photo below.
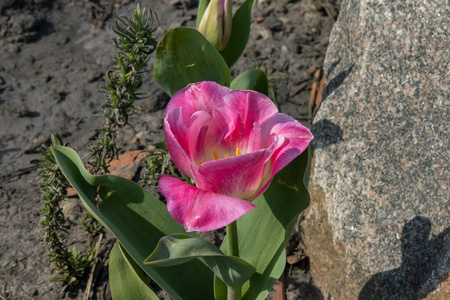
x=69, y=266
x=138, y=220
x=185, y=266
x=90, y=226
x=273, y=220
x=184, y=56
x=180, y=248
x=240, y=32
x=127, y=279
x=156, y=163
x=255, y=80
x=134, y=43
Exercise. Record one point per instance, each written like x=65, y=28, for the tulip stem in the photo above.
x=232, y=239
x=234, y=293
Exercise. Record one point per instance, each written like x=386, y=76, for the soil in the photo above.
x=53, y=55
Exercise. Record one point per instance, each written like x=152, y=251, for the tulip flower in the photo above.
x=215, y=24
x=231, y=143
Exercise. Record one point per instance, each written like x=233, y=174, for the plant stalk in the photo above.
x=234, y=293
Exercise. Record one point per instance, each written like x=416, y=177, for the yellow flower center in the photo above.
x=216, y=156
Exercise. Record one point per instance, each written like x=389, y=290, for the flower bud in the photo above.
x=215, y=24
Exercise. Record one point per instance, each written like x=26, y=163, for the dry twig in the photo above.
x=327, y=10
x=91, y=275
x=314, y=88
x=299, y=89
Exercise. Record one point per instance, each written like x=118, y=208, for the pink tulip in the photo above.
x=231, y=143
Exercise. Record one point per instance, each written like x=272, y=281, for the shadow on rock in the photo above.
x=336, y=82
x=313, y=293
x=326, y=133
x=425, y=263
x=332, y=67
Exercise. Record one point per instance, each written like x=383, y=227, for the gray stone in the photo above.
x=379, y=222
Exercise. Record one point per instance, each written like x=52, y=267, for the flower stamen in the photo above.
x=216, y=156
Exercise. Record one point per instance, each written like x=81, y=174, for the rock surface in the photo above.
x=379, y=222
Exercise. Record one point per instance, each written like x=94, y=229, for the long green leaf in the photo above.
x=127, y=279
x=138, y=220
x=273, y=220
x=179, y=248
x=255, y=80
x=240, y=31
x=184, y=56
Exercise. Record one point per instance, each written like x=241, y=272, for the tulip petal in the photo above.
x=242, y=110
x=206, y=139
x=175, y=131
x=196, y=134
x=199, y=210
x=237, y=176
x=200, y=96
x=297, y=138
x=254, y=140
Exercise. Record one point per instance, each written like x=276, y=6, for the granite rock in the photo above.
x=379, y=222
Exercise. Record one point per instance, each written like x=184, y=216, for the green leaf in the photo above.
x=179, y=248
x=202, y=5
x=240, y=31
x=255, y=80
x=127, y=279
x=259, y=281
x=273, y=220
x=56, y=279
x=138, y=220
x=184, y=56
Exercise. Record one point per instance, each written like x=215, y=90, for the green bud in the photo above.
x=215, y=24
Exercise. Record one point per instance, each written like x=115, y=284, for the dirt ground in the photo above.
x=53, y=55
